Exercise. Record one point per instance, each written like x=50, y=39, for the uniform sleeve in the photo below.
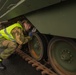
x=19, y=36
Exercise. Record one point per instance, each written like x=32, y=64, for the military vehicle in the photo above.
x=55, y=38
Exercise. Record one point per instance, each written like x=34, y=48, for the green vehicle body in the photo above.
x=55, y=17
x=59, y=20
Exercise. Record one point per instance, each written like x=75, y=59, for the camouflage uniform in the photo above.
x=10, y=46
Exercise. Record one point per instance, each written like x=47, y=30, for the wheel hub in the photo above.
x=66, y=55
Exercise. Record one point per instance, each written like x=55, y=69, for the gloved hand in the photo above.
x=34, y=29
x=30, y=34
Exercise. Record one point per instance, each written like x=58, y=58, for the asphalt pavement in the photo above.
x=17, y=66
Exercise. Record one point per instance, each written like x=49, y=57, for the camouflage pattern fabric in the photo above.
x=10, y=46
x=20, y=38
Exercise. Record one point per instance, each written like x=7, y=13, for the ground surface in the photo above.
x=17, y=66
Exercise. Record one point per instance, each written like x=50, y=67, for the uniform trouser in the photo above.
x=8, y=48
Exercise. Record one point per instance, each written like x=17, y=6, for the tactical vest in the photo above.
x=6, y=32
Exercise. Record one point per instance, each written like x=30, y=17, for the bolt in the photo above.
x=69, y=62
x=71, y=55
x=68, y=52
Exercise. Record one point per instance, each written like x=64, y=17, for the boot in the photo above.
x=2, y=67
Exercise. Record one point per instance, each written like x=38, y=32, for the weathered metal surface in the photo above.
x=13, y=8
x=62, y=54
x=44, y=70
x=59, y=19
x=37, y=47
